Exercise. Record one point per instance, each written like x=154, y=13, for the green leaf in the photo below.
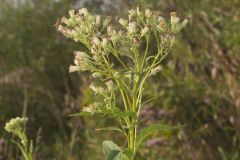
x=128, y=152
x=111, y=129
x=112, y=151
x=154, y=128
x=125, y=114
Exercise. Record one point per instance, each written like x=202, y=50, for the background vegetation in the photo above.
x=199, y=84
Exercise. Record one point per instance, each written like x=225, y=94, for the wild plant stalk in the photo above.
x=121, y=61
x=16, y=127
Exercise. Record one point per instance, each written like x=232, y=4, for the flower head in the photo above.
x=16, y=125
x=109, y=85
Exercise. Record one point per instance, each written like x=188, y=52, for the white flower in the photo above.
x=139, y=12
x=144, y=31
x=148, y=12
x=132, y=27
x=110, y=30
x=96, y=41
x=96, y=75
x=123, y=22
x=89, y=109
x=184, y=23
x=83, y=11
x=160, y=19
x=156, y=70
x=80, y=56
x=65, y=20
x=106, y=21
x=162, y=26
x=109, y=85
x=174, y=19
x=131, y=13
x=16, y=125
x=104, y=42
x=97, y=90
x=71, y=13
x=73, y=68
x=98, y=20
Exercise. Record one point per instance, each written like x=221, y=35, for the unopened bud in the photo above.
x=131, y=13
x=156, y=70
x=71, y=13
x=144, y=31
x=174, y=18
x=104, y=42
x=109, y=85
x=139, y=12
x=184, y=23
x=96, y=41
x=65, y=20
x=98, y=20
x=106, y=21
x=123, y=22
x=132, y=28
x=96, y=75
x=83, y=11
x=148, y=12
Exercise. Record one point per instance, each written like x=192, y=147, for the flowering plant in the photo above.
x=16, y=127
x=122, y=59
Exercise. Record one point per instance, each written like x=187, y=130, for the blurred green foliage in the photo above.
x=199, y=85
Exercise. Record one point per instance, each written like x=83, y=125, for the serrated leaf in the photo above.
x=154, y=128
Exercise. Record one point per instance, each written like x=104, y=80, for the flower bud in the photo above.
x=65, y=20
x=83, y=11
x=110, y=30
x=16, y=125
x=160, y=19
x=73, y=68
x=96, y=41
x=97, y=90
x=144, y=31
x=104, y=42
x=131, y=13
x=148, y=12
x=98, y=20
x=132, y=27
x=106, y=21
x=174, y=19
x=156, y=70
x=162, y=26
x=71, y=13
x=184, y=23
x=139, y=12
x=89, y=109
x=109, y=85
x=123, y=22
x=79, y=55
x=96, y=75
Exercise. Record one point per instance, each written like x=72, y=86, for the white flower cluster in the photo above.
x=108, y=43
x=16, y=125
x=99, y=36
x=82, y=62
